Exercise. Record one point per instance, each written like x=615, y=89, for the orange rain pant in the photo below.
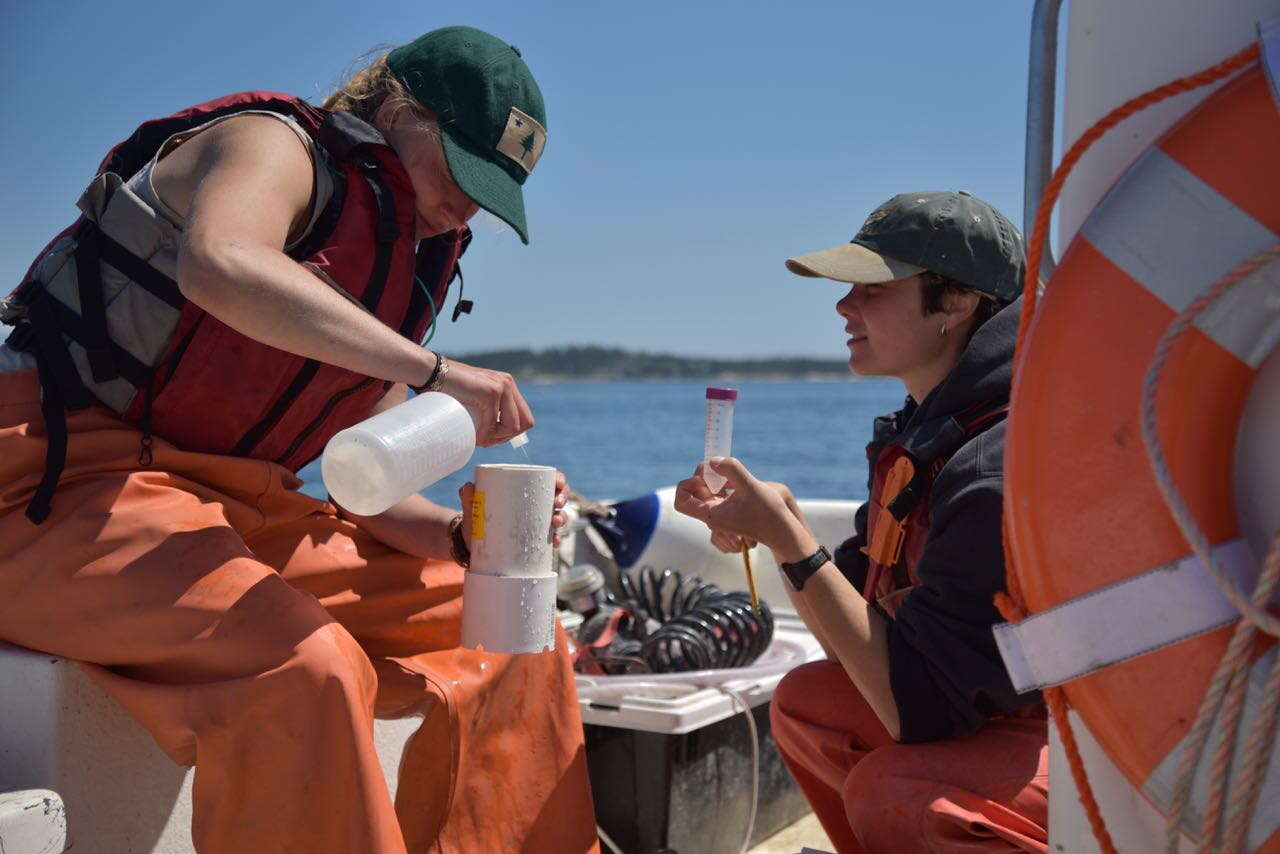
x=254, y=634
x=985, y=792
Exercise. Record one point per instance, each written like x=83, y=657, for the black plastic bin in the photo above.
x=689, y=793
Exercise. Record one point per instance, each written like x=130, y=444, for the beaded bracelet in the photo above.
x=458, y=544
x=437, y=375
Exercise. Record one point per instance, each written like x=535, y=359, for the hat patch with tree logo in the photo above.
x=523, y=139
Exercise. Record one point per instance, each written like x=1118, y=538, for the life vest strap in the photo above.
x=908, y=483
x=60, y=390
x=66, y=322
x=54, y=410
x=135, y=269
x=93, y=309
x=386, y=233
x=888, y=533
x=970, y=421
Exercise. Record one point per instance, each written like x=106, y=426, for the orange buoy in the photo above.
x=1123, y=614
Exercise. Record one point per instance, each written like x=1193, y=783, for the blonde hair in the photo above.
x=368, y=88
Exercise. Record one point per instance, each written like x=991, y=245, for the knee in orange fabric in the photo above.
x=942, y=796
x=872, y=797
x=798, y=688
x=331, y=658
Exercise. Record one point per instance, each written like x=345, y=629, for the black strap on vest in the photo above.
x=386, y=233
x=341, y=132
x=60, y=390
x=41, y=334
x=137, y=270
x=55, y=456
x=966, y=423
x=93, y=308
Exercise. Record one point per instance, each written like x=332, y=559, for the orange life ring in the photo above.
x=1091, y=541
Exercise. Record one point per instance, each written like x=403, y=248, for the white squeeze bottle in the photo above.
x=384, y=459
x=372, y=465
x=719, y=436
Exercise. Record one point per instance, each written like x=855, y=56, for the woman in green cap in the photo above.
x=250, y=276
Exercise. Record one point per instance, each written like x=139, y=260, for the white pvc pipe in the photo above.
x=509, y=595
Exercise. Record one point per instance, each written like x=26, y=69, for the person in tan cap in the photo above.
x=909, y=737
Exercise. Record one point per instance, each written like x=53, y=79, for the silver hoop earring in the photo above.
x=943, y=332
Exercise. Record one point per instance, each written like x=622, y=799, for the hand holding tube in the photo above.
x=749, y=508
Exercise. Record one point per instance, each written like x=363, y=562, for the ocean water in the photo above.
x=618, y=440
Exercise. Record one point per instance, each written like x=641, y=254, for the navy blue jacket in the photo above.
x=945, y=671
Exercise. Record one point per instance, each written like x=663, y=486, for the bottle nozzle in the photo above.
x=519, y=440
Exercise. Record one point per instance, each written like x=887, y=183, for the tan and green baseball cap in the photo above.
x=492, y=120
x=953, y=233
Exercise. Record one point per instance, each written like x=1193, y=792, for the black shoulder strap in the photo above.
x=341, y=132
x=93, y=309
x=386, y=233
x=980, y=415
x=60, y=390
x=964, y=425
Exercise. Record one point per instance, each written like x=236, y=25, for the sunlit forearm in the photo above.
x=855, y=633
x=265, y=295
x=414, y=526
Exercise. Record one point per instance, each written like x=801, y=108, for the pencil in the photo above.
x=751, y=579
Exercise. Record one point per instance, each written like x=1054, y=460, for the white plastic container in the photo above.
x=668, y=703
x=386, y=458
x=718, y=441
x=509, y=593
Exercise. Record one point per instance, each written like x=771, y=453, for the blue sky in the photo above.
x=691, y=146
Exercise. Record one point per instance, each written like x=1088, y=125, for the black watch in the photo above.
x=799, y=572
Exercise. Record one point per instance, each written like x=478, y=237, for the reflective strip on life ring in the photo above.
x=1162, y=606
x=1197, y=235
x=1104, y=570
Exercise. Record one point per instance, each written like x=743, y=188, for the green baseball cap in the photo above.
x=493, y=124
x=955, y=234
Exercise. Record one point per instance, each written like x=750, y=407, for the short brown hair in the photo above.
x=935, y=287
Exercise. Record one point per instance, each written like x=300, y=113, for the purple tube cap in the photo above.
x=714, y=393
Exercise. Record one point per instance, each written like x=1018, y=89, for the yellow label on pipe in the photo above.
x=477, y=516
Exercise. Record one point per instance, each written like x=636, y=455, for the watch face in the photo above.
x=796, y=577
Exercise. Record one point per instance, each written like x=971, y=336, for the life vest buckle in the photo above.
x=888, y=532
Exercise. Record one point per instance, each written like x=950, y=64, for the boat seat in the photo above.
x=60, y=731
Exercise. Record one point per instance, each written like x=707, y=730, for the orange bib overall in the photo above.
x=255, y=634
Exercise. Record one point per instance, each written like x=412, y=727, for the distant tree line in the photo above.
x=606, y=363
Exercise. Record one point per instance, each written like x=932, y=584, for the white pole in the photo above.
x=509, y=595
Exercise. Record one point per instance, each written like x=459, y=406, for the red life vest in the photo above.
x=898, y=507
x=208, y=387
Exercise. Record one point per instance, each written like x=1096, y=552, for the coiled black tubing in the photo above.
x=702, y=628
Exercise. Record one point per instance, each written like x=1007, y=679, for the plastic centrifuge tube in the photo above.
x=719, y=437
